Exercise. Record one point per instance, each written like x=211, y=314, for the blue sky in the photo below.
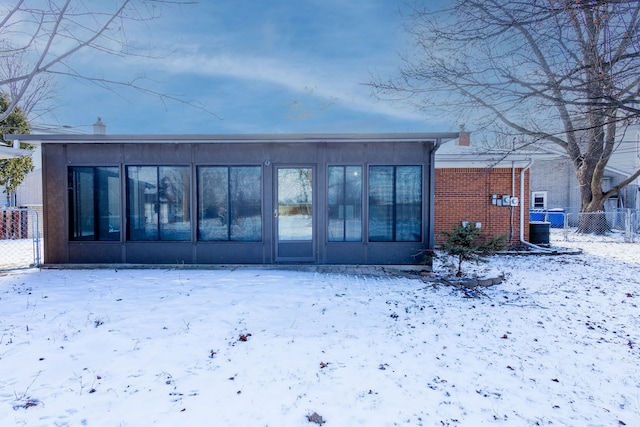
x=275, y=66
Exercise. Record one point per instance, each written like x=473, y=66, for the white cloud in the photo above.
x=326, y=81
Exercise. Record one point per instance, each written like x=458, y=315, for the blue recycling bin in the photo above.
x=537, y=215
x=556, y=218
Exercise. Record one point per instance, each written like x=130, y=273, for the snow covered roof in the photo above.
x=456, y=155
x=10, y=152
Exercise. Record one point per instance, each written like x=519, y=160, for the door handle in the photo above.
x=275, y=213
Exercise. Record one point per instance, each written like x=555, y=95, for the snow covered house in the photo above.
x=251, y=199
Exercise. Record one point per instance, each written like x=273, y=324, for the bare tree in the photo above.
x=37, y=99
x=551, y=71
x=38, y=40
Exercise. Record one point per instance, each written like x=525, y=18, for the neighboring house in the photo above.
x=489, y=187
x=11, y=153
x=12, y=223
x=554, y=184
x=29, y=193
x=218, y=199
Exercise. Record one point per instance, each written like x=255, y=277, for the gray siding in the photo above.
x=58, y=156
x=558, y=179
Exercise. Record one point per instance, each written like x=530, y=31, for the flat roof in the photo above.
x=11, y=153
x=237, y=138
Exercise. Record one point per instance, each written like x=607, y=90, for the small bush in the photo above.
x=468, y=243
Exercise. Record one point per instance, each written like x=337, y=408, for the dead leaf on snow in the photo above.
x=315, y=418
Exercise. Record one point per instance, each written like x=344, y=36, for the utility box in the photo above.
x=539, y=233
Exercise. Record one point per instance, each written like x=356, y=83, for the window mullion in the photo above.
x=157, y=204
x=96, y=203
x=76, y=205
x=394, y=204
x=228, y=213
x=344, y=203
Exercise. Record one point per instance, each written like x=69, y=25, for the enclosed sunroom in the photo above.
x=238, y=199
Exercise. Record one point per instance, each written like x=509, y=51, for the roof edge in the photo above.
x=237, y=138
x=11, y=153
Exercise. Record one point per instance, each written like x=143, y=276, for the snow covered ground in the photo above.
x=557, y=343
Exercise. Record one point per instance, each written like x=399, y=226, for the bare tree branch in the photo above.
x=559, y=71
x=46, y=39
x=38, y=97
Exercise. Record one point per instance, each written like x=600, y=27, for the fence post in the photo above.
x=3, y=224
x=36, y=238
x=627, y=225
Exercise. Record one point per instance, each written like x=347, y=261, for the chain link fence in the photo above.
x=615, y=226
x=19, y=238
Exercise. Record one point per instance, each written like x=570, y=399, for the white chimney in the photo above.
x=99, y=128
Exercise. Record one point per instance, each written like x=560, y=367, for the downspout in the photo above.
x=431, y=241
x=522, y=213
x=513, y=192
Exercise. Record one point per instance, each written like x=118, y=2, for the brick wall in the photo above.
x=465, y=195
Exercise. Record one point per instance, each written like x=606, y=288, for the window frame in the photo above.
x=395, y=217
x=345, y=196
x=163, y=234
x=229, y=220
x=101, y=225
x=542, y=194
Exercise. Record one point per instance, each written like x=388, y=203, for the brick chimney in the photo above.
x=464, y=140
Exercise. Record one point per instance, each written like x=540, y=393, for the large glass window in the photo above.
x=345, y=204
x=158, y=203
x=395, y=203
x=94, y=203
x=230, y=203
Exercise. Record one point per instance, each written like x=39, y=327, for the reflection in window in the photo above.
x=345, y=204
x=158, y=203
x=94, y=203
x=395, y=203
x=230, y=203
x=295, y=204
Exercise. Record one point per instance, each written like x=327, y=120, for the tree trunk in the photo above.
x=593, y=223
x=592, y=219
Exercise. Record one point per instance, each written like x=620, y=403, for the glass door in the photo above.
x=294, y=214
